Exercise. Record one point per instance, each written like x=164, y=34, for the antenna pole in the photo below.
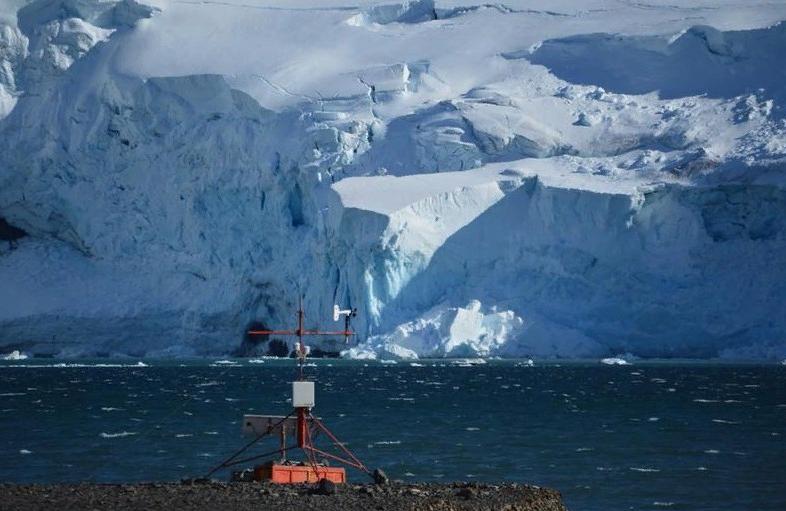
x=301, y=350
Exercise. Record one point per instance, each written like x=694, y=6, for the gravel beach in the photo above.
x=266, y=496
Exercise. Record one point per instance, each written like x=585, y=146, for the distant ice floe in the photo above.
x=15, y=355
x=468, y=362
x=117, y=435
x=619, y=360
x=225, y=363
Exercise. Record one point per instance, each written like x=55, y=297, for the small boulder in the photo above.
x=195, y=480
x=326, y=487
x=380, y=477
x=465, y=493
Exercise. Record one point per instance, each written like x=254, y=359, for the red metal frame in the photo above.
x=306, y=422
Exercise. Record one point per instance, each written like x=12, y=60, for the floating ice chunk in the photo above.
x=624, y=359
x=361, y=352
x=724, y=421
x=15, y=355
x=614, y=361
x=117, y=435
x=468, y=362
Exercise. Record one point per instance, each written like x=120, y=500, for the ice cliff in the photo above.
x=477, y=179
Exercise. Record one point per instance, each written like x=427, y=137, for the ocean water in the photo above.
x=679, y=436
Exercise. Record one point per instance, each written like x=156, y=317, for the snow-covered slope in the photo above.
x=587, y=179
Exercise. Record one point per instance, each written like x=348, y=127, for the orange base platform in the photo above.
x=293, y=474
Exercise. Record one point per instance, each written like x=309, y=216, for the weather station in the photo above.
x=299, y=426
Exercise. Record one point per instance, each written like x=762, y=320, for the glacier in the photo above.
x=476, y=179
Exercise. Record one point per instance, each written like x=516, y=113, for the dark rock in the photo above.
x=193, y=496
x=380, y=477
x=194, y=480
x=326, y=487
x=465, y=493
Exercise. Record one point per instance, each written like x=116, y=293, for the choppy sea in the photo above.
x=652, y=435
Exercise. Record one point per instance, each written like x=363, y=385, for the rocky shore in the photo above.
x=264, y=496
